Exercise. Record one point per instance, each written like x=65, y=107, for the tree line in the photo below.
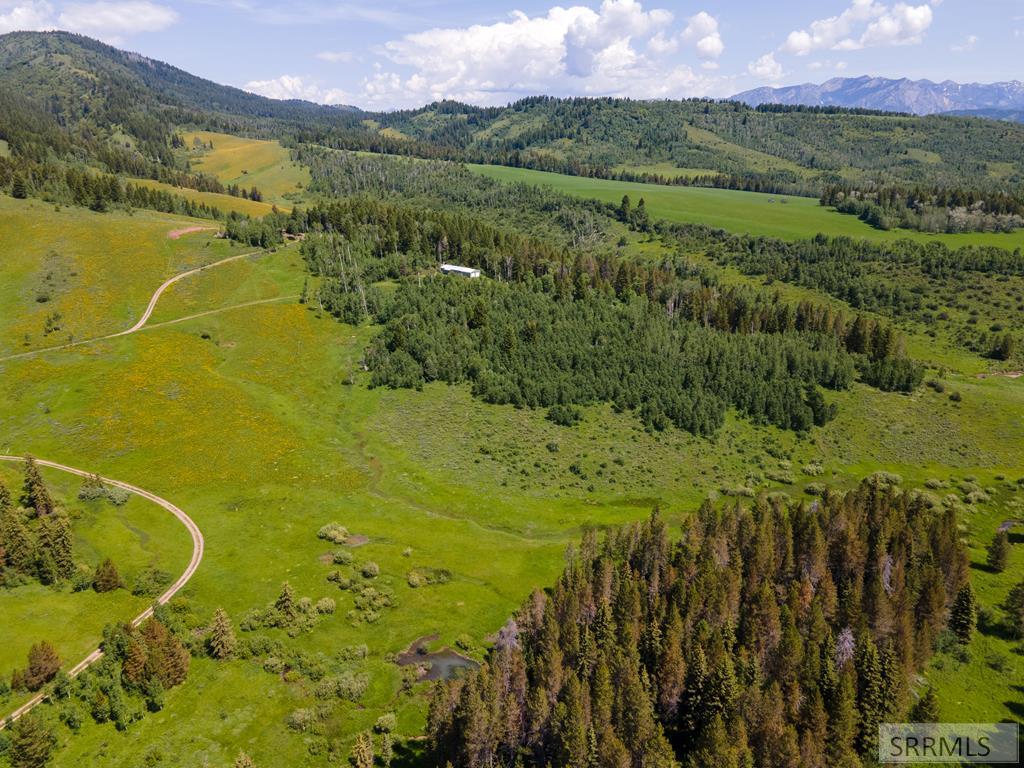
x=769, y=634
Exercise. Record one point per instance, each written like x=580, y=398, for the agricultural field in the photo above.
x=248, y=163
x=783, y=216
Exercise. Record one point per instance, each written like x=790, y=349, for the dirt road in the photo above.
x=198, y=545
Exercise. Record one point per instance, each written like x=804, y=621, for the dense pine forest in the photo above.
x=766, y=635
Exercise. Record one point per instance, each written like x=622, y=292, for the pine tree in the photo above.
x=221, y=641
x=999, y=552
x=871, y=704
x=36, y=496
x=43, y=664
x=19, y=190
x=56, y=540
x=18, y=545
x=32, y=742
x=1014, y=607
x=362, y=751
x=927, y=708
x=285, y=604
x=963, y=616
x=106, y=579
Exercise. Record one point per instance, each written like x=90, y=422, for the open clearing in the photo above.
x=249, y=162
x=280, y=443
x=783, y=216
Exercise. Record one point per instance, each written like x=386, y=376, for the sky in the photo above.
x=390, y=54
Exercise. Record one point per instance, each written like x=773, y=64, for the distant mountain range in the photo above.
x=921, y=97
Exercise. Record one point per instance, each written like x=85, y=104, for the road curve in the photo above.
x=198, y=545
x=145, y=315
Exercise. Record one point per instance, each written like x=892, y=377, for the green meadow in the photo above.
x=252, y=413
x=249, y=162
x=783, y=216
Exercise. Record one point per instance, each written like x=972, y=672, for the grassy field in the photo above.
x=249, y=162
x=226, y=203
x=781, y=216
x=136, y=535
x=257, y=419
x=88, y=273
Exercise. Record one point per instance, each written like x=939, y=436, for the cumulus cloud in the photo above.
x=295, y=87
x=32, y=15
x=109, y=20
x=702, y=30
x=864, y=24
x=766, y=68
x=620, y=48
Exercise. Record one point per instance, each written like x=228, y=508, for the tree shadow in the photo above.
x=409, y=755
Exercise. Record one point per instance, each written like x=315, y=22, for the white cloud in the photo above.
x=766, y=68
x=617, y=49
x=901, y=25
x=702, y=29
x=335, y=57
x=108, y=19
x=26, y=16
x=114, y=19
x=864, y=24
x=294, y=87
x=967, y=45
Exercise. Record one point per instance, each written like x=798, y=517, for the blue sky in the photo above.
x=390, y=54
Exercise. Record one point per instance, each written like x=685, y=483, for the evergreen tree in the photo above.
x=927, y=708
x=106, y=578
x=963, y=616
x=43, y=664
x=56, y=541
x=221, y=641
x=285, y=604
x=32, y=742
x=19, y=190
x=36, y=496
x=1014, y=607
x=16, y=541
x=999, y=552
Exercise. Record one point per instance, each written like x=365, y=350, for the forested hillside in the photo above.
x=767, y=635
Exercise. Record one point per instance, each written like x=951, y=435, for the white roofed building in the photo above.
x=455, y=269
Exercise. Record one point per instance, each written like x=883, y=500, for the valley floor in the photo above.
x=252, y=412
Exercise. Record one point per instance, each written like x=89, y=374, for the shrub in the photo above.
x=333, y=532
x=301, y=720
x=117, y=496
x=342, y=557
x=325, y=605
x=564, y=415
x=370, y=570
x=386, y=723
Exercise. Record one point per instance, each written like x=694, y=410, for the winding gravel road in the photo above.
x=198, y=545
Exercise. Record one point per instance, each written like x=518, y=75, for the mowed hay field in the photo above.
x=90, y=273
x=249, y=162
x=783, y=216
x=257, y=419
